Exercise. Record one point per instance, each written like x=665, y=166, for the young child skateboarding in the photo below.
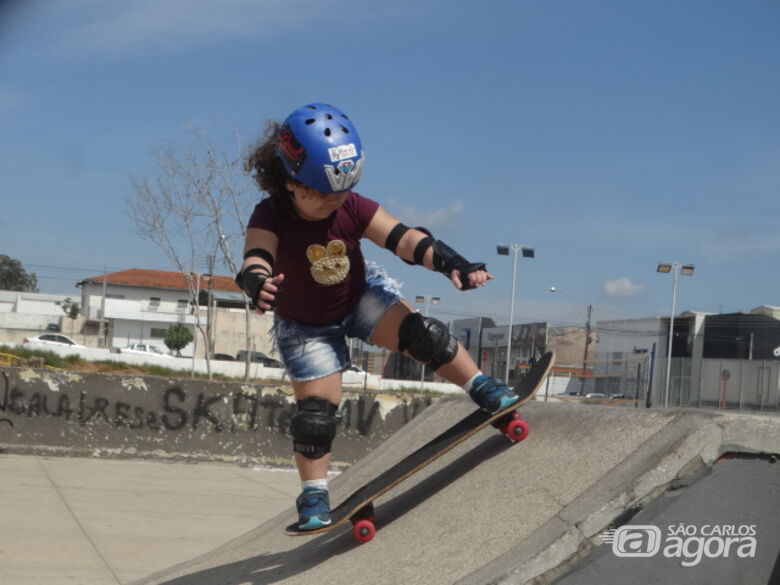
x=302, y=258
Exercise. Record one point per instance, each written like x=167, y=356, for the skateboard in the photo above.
x=359, y=508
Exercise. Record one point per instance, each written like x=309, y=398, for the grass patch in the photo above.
x=108, y=366
x=49, y=358
x=76, y=363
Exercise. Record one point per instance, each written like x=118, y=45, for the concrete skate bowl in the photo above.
x=490, y=511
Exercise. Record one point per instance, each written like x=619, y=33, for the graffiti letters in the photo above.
x=177, y=409
x=4, y=404
x=359, y=414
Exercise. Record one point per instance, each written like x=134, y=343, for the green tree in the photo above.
x=177, y=338
x=70, y=308
x=13, y=276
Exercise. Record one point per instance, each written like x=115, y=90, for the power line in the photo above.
x=63, y=268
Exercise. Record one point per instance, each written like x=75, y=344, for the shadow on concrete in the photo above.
x=272, y=568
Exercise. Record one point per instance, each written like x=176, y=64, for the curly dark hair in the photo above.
x=267, y=170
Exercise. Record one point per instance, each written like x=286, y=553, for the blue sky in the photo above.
x=609, y=135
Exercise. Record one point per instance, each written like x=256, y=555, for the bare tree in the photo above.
x=195, y=209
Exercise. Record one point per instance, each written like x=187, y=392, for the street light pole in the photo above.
x=676, y=268
x=511, y=316
x=528, y=252
x=428, y=300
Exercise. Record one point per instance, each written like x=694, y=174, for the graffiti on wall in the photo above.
x=180, y=409
x=7, y=421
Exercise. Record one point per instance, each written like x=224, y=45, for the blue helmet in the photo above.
x=320, y=147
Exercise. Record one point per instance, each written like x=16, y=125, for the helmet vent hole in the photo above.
x=310, y=121
x=312, y=107
x=328, y=116
x=345, y=130
x=327, y=131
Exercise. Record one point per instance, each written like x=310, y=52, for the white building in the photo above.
x=30, y=312
x=138, y=306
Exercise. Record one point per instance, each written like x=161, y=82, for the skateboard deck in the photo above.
x=359, y=506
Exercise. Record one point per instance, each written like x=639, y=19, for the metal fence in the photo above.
x=627, y=377
x=725, y=384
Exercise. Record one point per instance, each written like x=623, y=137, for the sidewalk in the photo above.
x=107, y=522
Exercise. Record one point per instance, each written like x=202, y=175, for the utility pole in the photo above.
x=587, y=343
x=103, y=334
x=554, y=289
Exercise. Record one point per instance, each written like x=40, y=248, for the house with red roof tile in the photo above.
x=138, y=305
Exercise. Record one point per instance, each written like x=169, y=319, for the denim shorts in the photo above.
x=315, y=351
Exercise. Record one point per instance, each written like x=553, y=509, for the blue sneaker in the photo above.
x=492, y=395
x=313, y=509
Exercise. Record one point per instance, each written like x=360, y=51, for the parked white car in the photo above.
x=143, y=349
x=51, y=339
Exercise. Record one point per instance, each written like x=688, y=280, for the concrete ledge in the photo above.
x=102, y=415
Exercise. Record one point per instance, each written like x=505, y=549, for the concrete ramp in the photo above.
x=491, y=512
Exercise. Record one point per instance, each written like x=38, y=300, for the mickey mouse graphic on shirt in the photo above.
x=329, y=265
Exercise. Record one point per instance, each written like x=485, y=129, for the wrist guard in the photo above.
x=445, y=260
x=251, y=281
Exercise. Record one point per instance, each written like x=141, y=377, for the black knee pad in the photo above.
x=427, y=340
x=313, y=427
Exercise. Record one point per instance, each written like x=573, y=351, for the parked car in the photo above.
x=356, y=369
x=258, y=357
x=143, y=349
x=51, y=339
x=223, y=357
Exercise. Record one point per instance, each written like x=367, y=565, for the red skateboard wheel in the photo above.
x=363, y=530
x=517, y=430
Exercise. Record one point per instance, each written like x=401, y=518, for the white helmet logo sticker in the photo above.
x=338, y=153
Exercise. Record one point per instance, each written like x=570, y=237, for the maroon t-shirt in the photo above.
x=323, y=266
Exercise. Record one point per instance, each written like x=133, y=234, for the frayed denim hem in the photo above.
x=317, y=377
x=377, y=276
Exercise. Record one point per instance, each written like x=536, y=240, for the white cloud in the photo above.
x=622, y=287
x=438, y=218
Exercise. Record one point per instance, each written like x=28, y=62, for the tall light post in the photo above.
x=528, y=252
x=428, y=301
x=587, y=332
x=676, y=268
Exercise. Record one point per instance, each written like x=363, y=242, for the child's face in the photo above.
x=313, y=205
